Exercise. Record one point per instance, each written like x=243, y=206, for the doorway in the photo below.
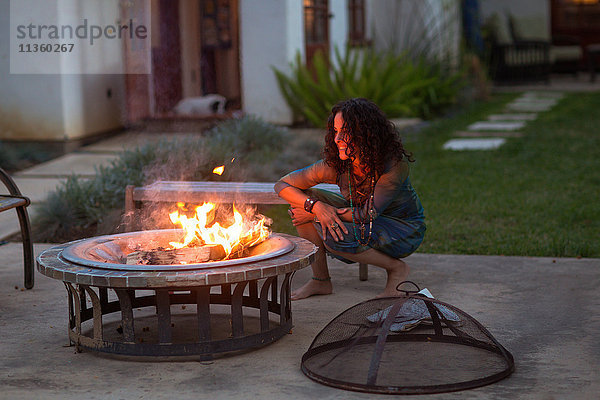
x=195, y=51
x=220, y=67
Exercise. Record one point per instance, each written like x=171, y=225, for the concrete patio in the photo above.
x=545, y=311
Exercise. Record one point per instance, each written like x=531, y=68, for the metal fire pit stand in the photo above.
x=263, y=285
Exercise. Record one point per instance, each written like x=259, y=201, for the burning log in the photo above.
x=250, y=239
x=186, y=255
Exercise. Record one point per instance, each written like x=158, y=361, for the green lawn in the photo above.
x=535, y=196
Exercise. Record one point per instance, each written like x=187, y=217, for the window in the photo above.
x=316, y=29
x=356, y=23
x=216, y=29
x=576, y=17
x=315, y=21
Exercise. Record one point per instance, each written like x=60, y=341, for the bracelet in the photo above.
x=321, y=279
x=309, y=204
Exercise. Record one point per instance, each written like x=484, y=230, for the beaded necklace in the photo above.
x=370, y=212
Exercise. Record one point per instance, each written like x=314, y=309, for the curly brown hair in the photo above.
x=373, y=138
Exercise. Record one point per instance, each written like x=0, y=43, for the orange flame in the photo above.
x=219, y=170
x=242, y=233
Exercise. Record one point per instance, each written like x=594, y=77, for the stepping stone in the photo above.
x=513, y=117
x=546, y=95
x=551, y=102
x=402, y=123
x=525, y=107
x=487, y=134
x=496, y=126
x=474, y=144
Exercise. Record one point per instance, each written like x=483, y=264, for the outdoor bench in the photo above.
x=14, y=199
x=198, y=192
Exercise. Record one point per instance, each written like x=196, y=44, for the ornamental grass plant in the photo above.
x=18, y=156
x=8, y=161
x=403, y=86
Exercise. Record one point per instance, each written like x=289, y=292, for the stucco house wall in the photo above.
x=431, y=26
x=25, y=109
x=338, y=25
x=271, y=34
x=60, y=107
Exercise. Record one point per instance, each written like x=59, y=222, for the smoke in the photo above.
x=250, y=150
x=176, y=165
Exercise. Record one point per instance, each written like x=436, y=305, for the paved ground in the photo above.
x=545, y=311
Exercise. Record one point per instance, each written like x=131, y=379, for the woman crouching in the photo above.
x=378, y=219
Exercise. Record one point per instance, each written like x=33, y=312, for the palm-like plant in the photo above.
x=401, y=86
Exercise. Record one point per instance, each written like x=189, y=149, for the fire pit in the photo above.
x=114, y=251
x=222, y=308
x=201, y=290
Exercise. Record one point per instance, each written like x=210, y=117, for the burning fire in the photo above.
x=219, y=170
x=242, y=233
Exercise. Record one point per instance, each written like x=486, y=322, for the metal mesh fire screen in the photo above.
x=412, y=344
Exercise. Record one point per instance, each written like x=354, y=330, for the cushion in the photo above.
x=499, y=27
x=565, y=53
x=530, y=28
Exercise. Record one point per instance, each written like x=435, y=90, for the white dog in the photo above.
x=202, y=106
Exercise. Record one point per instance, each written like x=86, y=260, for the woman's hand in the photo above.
x=300, y=216
x=329, y=218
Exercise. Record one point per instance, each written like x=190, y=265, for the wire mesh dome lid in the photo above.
x=411, y=344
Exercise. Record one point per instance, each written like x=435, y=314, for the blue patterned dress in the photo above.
x=398, y=221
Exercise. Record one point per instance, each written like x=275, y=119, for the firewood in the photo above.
x=186, y=255
x=250, y=239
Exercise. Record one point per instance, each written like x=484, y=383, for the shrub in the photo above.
x=85, y=207
x=17, y=156
x=401, y=86
x=248, y=140
x=8, y=160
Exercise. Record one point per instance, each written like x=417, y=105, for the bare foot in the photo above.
x=395, y=275
x=311, y=288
